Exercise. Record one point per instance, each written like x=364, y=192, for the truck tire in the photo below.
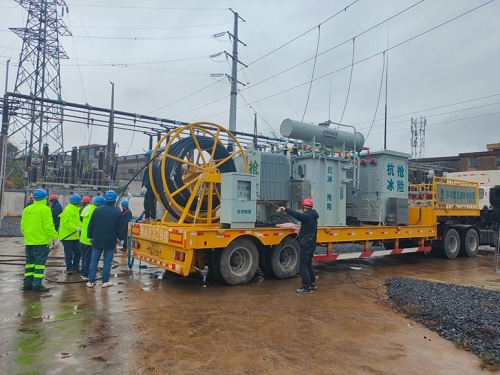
x=214, y=265
x=469, y=242
x=451, y=244
x=265, y=262
x=437, y=249
x=285, y=258
x=239, y=261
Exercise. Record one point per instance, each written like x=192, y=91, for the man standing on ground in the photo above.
x=38, y=229
x=30, y=200
x=126, y=217
x=147, y=190
x=103, y=231
x=56, y=209
x=85, y=202
x=69, y=234
x=85, y=244
x=307, y=242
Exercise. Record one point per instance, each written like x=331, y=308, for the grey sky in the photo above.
x=157, y=54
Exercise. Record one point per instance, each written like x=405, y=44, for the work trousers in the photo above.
x=36, y=256
x=149, y=207
x=107, y=259
x=306, y=268
x=86, y=257
x=72, y=255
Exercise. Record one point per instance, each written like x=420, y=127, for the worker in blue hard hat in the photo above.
x=38, y=229
x=69, y=234
x=147, y=190
x=126, y=217
x=103, y=231
x=85, y=244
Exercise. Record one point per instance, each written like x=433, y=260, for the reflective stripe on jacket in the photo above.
x=70, y=220
x=86, y=214
x=37, y=225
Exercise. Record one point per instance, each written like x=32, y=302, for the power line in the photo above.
x=304, y=33
x=204, y=36
x=368, y=57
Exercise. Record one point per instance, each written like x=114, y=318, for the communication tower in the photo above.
x=418, y=137
x=40, y=123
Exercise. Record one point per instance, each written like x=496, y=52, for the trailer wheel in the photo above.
x=285, y=258
x=265, y=262
x=214, y=265
x=469, y=243
x=239, y=261
x=451, y=244
x=437, y=249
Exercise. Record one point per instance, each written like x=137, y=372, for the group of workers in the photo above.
x=88, y=229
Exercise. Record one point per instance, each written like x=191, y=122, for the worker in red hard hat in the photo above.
x=306, y=238
x=86, y=200
x=56, y=209
x=30, y=200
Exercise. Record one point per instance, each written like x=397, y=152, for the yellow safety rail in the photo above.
x=446, y=197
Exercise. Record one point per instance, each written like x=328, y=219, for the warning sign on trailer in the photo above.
x=457, y=195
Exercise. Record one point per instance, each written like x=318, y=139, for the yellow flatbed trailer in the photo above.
x=235, y=254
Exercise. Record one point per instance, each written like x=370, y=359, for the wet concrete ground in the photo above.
x=147, y=324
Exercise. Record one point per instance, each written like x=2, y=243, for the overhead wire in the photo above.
x=204, y=36
x=371, y=56
x=312, y=74
x=344, y=42
x=378, y=99
x=350, y=79
x=269, y=70
x=304, y=33
x=93, y=47
x=262, y=57
x=442, y=113
x=450, y=121
x=439, y=107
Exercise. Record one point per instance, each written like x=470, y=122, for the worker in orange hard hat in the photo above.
x=307, y=242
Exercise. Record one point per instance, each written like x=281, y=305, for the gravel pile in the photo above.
x=467, y=316
x=10, y=226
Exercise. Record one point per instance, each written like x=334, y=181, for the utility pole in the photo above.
x=110, y=152
x=385, y=109
x=255, y=131
x=234, y=73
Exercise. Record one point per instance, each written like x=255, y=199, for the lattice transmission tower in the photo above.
x=40, y=123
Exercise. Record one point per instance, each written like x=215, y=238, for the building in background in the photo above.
x=424, y=169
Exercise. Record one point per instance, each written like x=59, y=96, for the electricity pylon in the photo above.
x=38, y=75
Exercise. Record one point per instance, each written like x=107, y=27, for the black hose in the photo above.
x=173, y=172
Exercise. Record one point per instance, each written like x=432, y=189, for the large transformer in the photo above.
x=320, y=171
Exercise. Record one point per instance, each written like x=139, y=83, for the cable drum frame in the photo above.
x=198, y=152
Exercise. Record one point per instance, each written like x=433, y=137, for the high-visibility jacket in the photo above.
x=86, y=214
x=70, y=220
x=37, y=225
